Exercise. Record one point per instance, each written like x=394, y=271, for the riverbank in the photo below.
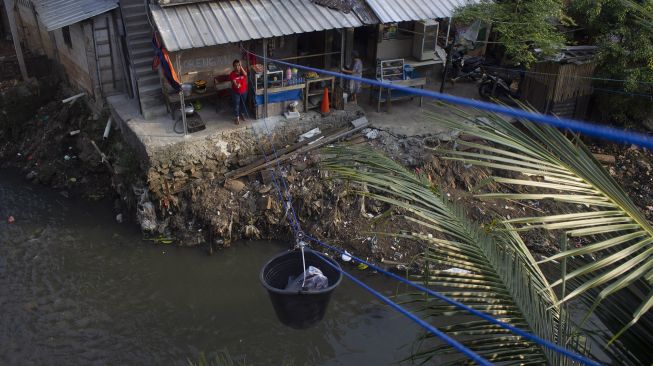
x=186, y=193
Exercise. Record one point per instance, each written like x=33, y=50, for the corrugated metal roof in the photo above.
x=55, y=14
x=208, y=24
x=390, y=11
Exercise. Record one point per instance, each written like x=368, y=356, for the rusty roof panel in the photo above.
x=212, y=23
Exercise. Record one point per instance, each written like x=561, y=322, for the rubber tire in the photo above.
x=485, y=90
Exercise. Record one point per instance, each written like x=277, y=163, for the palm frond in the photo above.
x=492, y=273
x=595, y=206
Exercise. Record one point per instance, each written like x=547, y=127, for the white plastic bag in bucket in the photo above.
x=315, y=281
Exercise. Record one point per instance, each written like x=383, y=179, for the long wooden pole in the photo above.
x=265, y=78
x=11, y=15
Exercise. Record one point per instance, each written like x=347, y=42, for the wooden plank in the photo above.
x=282, y=89
x=303, y=150
x=280, y=152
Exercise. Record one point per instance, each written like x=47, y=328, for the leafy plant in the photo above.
x=623, y=32
x=494, y=272
x=617, y=259
x=521, y=26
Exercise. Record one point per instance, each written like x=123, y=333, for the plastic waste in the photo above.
x=315, y=281
x=346, y=256
x=10, y=220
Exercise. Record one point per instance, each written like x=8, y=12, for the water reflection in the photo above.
x=77, y=288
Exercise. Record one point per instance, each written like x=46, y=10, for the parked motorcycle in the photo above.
x=462, y=67
x=501, y=87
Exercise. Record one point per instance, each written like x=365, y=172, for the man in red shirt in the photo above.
x=238, y=79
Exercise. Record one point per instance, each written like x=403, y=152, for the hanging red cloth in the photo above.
x=162, y=59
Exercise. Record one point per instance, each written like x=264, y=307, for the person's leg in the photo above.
x=243, y=100
x=236, y=104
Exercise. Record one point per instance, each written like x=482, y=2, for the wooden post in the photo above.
x=265, y=78
x=181, y=95
x=11, y=16
x=446, y=41
x=343, y=39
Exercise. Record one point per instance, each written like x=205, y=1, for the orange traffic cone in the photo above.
x=325, y=102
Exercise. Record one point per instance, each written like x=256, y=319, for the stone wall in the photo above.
x=174, y=168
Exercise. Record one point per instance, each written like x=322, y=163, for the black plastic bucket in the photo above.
x=298, y=309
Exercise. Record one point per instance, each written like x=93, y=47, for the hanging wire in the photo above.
x=543, y=342
x=589, y=129
x=574, y=125
x=433, y=330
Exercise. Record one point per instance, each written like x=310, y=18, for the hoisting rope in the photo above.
x=593, y=130
x=295, y=226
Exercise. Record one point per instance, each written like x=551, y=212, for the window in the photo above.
x=66, y=36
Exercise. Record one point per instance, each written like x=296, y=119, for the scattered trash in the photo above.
x=145, y=211
x=371, y=133
x=73, y=133
x=73, y=98
x=362, y=266
x=315, y=281
x=107, y=129
x=314, y=132
x=10, y=220
x=66, y=157
x=31, y=175
x=119, y=218
x=73, y=180
x=346, y=257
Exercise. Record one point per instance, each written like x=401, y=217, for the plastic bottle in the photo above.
x=288, y=73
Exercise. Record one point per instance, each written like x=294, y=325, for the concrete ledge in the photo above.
x=155, y=139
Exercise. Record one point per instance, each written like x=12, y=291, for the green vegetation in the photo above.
x=521, y=26
x=623, y=31
x=608, y=266
x=495, y=272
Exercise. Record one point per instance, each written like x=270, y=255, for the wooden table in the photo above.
x=413, y=83
x=274, y=107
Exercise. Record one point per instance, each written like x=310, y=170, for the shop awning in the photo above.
x=55, y=14
x=392, y=11
x=219, y=22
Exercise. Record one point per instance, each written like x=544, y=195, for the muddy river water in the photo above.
x=78, y=288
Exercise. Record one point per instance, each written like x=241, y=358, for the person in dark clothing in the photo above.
x=238, y=79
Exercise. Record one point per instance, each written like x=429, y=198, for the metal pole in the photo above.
x=181, y=97
x=343, y=39
x=265, y=78
x=11, y=16
x=446, y=41
x=446, y=67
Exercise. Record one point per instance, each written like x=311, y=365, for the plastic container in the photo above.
x=187, y=89
x=409, y=72
x=298, y=309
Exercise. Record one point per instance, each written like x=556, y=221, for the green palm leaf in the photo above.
x=494, y=273
x=562, y=169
